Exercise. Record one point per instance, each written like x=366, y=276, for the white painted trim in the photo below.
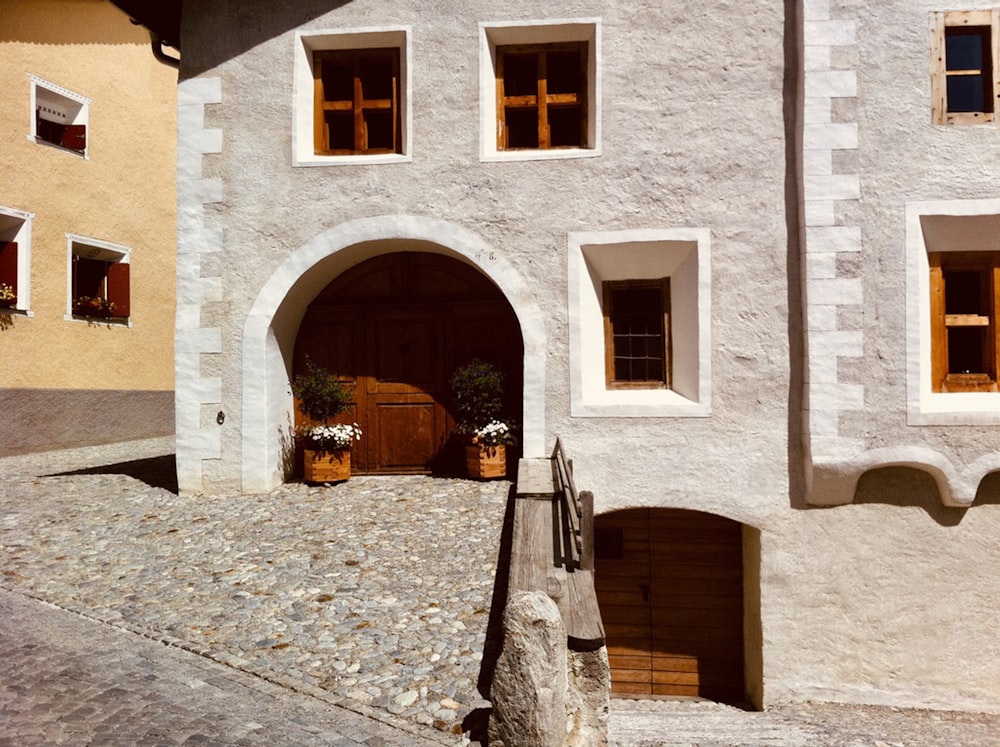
x=124, y=256
x=273, y=321
x=684, y=254
x=493, y=34
x=81, y=116
x=368, y=37
x=925, y=407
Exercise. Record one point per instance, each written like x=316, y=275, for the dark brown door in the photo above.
x=394, y=328
x=670, y=587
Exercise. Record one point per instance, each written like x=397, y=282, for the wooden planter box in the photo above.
x=486, y=462
x=327, y=466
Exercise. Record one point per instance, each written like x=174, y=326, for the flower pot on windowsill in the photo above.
x=327, y=466
x=485, y=461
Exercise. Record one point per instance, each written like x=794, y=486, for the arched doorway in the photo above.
x=394, y=327
x=670, y=588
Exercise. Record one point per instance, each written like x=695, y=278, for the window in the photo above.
x=15, y=259
x=542, y=96
x=99, y=280
x=539, y=87
x=637, y=333
x=357, y=101
x=351, y=89
x=964, y=59
x=964, y=348
x=640, y=323
x=951, y=312
x=59, y=117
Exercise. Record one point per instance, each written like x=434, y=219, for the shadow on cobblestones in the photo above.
x=157, y=472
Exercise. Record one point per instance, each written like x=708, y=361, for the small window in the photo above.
x=964, y=66
x=542, y=96
x=637, y=333
x=59, y=117
x=357, y=101
x=964, y=349
x=100, y=281
x=15, y=259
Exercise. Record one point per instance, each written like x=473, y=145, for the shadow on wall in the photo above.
x=157, y=472
x=908, y=486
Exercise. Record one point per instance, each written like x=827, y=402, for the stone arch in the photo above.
x=273, y=321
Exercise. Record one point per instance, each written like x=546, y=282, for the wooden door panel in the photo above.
x=405, y=434
x=406, y=354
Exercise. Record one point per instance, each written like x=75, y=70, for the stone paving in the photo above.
x=376, y=591
x=344, y=615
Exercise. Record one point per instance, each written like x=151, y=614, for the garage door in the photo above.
x=670, y=587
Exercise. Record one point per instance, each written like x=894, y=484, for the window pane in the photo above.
x=340, y=127
x=520, y=74
x=566, y=126
x=376, y=78
x=966, y=48
x=338, y=81
x=564, y=72
x=967, y=350
x=378, y=127
x=522, y=127
x=638, y=336
x=966, y=93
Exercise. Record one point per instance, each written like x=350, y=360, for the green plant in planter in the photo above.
x=477, y=390
x=321, y=395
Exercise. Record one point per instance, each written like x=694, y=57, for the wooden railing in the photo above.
x=578, y=514
x=552, y=547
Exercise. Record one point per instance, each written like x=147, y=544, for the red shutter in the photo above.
x=8, y=264
x=75, y=137
x=119, y=292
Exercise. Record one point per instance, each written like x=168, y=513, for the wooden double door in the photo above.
x=394, y=329
x=670, y=588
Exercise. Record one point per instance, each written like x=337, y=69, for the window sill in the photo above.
x=111, y=321
x=354, y=160
x=548, y=154
x=56, y=146
x=11, y=311
x=638, y=403
x=956, y=408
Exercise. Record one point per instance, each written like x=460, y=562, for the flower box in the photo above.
x=327, y=466
x=486, y=461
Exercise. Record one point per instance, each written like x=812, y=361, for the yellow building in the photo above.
x=87, y=227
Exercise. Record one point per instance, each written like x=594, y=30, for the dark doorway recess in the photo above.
x=394, y=328
x=670, y=587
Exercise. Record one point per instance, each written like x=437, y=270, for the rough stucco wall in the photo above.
x=669, y=159
x=123, y=193
x=891, y=600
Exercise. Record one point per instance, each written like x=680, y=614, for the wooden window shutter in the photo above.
x=8, y=264
x=75, y=137
x=119, y=292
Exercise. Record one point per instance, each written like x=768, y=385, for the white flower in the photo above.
x=494, y=433
x=333, y=437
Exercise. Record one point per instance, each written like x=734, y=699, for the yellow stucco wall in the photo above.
x=122, y=193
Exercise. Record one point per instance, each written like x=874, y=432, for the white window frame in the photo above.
x=94, y=249
x=15, y=225
x=925, y=406
x=536, y=32
x=683, y=255
x=72, y=107
x=303, y=134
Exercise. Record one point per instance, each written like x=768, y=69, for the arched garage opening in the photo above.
x=394, y=328
x=671, y=592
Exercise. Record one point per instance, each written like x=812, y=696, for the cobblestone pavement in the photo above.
x=67, y=680
x=352, y=614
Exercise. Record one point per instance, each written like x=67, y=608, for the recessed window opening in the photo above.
x=59, y=117
x=99, y=282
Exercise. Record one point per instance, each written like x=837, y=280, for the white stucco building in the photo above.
x=804, y=194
